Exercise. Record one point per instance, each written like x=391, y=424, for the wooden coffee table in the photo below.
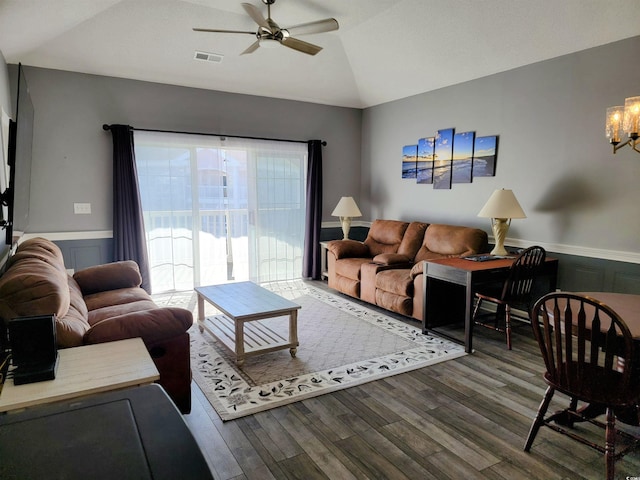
x=240, y=304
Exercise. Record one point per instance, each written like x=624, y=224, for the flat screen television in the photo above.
x=15, y=198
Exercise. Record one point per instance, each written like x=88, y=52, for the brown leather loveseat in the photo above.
x=98, y=304
x=386, y=269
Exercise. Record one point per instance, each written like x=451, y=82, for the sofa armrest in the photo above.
x=151, y=325
x=110, y=276
x=392, y=259
x=348, y=249
x=417, y=269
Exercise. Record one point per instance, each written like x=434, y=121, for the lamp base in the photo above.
x=501, y=251
x=500, y=228
x=346, y=226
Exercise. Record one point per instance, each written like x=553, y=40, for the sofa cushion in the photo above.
x=122, y=296
x=348, y=286
x=33, y=287
x=395, y=281
x=43, y=250
x=412, y=239
x=134, y=320
x=350, y=267
x=71, y=328
x=385, y=236
x=116, y=309
x=395, y=303
x=109, y=276
x=443, y=241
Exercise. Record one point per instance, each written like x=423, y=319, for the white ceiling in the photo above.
x=383, y=51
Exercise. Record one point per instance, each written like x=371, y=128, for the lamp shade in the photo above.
x=346, y=208
x=632, y=115
x=614, y=123
x=502, y=204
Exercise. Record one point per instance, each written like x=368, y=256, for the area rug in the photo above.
x=342, y=344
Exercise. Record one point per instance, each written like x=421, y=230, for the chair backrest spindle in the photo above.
x=523, y=272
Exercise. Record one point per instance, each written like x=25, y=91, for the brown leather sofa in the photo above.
x=98, y=304
x=386, y=269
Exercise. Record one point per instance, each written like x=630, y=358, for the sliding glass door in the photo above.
x=221, y=209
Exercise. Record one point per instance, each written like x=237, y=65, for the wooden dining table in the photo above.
x=626, y=305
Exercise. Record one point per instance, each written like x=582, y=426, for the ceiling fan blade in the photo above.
x=321, y=26
x=214, y=30
x=301, y=46
x=252, y=48
x=256, y=15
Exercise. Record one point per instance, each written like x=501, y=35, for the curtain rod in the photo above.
x=108, y=127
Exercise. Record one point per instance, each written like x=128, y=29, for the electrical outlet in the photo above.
x=82, y=208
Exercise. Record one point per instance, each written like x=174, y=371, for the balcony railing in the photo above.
x=181, y=256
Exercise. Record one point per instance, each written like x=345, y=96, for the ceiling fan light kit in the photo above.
x=269, y=34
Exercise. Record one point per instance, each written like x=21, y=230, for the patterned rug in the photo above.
x=342, y=344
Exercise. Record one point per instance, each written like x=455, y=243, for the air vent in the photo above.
x=208, y=57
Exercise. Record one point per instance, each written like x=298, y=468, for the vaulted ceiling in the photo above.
x=383, y=51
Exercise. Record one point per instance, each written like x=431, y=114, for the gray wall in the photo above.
x=579, y=198
x=72, y=154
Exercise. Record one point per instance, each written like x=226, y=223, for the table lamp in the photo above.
x=346, y=209
x=501, y=207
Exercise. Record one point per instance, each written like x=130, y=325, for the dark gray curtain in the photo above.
x=311, y=256
x=128, y=225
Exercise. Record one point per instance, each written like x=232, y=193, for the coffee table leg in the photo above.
x=293, y=332
x=200, y=313
x=239, y=328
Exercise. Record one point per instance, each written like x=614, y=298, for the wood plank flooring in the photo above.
x=462, y=419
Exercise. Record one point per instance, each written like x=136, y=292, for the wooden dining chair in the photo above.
x=588, y=353
x=515, y=289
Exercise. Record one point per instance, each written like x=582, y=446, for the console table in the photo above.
x=468, y=276
x=85, y=370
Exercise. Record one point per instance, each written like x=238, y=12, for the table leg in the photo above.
x=293, y=332
x=239, y=330
x=425, y=299
x=468, y=323
x=200, y=313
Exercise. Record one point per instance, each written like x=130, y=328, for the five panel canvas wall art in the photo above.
x=450, y=158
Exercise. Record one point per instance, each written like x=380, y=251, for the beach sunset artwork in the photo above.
x=462, y=157
x=409, y=159
x=484, y=156
x=450, y=158
x=443, y=159
x=426, y=151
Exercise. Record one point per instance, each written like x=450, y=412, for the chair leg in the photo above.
x=573, y=405
x=507, y=325
x=610, y=444
x=476, y=309
x=539, y=420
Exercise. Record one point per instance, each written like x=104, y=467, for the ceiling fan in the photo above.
x=269, y=33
